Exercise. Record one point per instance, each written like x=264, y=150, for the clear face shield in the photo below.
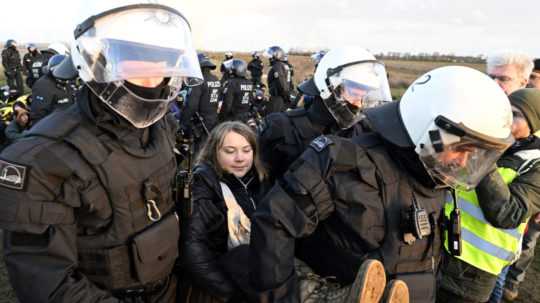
x=354, y=88
x=461, y=161
x=148, y=46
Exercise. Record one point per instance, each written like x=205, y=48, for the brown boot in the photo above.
x=368, y=287
x=396, y=292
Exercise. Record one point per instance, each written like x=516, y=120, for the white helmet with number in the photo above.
x=348, y=80
x=127, y=54
x=460, y=123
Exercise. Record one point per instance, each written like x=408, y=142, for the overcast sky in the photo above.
x=463, y=27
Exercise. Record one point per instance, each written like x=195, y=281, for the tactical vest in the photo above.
x=415, y=263
x=127, y=229
x=484, y=246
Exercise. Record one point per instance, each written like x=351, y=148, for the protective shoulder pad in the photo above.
x=320, y=143
x=296, y=112
x=57, y=125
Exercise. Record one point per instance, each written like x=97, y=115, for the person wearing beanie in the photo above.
x=534, y=78
x=505, y=199
x=527, y=103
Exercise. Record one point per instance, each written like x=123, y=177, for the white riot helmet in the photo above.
x=58, y=48
x=459, y=121
x=122, y=46
x=348, y=80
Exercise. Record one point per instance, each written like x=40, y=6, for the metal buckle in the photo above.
x=152, y=211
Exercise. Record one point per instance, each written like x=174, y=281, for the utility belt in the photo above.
x=147, y=259
x=146, y=290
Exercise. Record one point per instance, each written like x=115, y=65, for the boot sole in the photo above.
x=370, y=282
x=398, y=292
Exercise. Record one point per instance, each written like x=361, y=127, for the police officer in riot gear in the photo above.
x=91, y=185
x=279, y=80
x=286, y=135
x=199, y=113
x=237, y=93
x=255, y=67
x=32, y=61
x=225, y=72
x=55, y=48
x=11, y=61
x=381, y=194
x=56, y=89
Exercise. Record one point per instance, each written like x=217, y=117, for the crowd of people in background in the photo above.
x=321, y=191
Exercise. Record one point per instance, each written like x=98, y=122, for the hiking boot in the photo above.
x=396, y=292
x=316, y=289
x=368, y=287
x=510, y=292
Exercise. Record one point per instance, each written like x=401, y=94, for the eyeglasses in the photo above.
x=500, y=78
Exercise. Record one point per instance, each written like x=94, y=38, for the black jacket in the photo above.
x=286, y=135
x=237, y=98
x=203, y=99
x=49, y=94
x=205, y=234
x=81, y=188
x=279, y=80
x=11, y=60
x=255, y=68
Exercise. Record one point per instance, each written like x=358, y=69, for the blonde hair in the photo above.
x=215, y=140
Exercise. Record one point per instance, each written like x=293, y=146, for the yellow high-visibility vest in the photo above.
x=484, y=246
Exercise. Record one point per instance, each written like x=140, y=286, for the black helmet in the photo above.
x=237, y=67
x=54, y=61
x=31, y=47
x=65, y=70
x=275, y=53
x=11, y=43
x=205, y=62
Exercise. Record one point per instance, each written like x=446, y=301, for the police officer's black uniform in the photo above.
x=199, y=113
x=237, y=98
x=87, y=208
x=286, y=135
x=255, y=68
x=11, y=60
x=33, y=63
x=349, y=200
x=53, y=91
x=49, y=94
x=279, y=85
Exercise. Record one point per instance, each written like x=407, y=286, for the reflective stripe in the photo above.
x=487, y=247
x=477, y=213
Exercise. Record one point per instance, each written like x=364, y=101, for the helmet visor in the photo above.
x=462, y=165
x=356, y=87
x=157, y=44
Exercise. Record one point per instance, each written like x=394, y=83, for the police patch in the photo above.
x=320, y=143
x=13, y=175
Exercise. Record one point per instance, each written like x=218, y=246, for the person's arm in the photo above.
x=507, y=206
x=40, y=233
x=200, y=257
x=13, y=131
x=228, y=100
x=191, y=106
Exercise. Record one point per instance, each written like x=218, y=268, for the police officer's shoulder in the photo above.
x=275, y=127
x=57, y=125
